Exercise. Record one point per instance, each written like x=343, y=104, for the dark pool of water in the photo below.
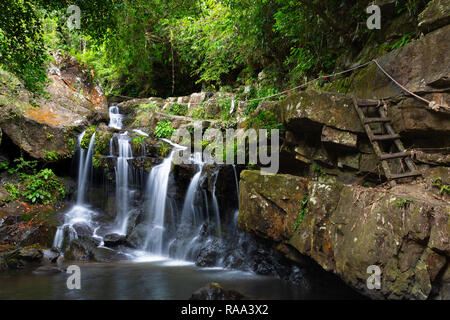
x=164, y=279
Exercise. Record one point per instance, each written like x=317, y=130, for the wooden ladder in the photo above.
x=389, y=135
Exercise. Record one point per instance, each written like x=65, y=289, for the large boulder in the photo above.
x=412, y=120
x=45, y=128
x=310, y=110
x=88, y=250
x=269, y=204
x=214, y=291
x=346, y=229
x=421, y=66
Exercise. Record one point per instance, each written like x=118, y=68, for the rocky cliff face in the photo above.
x=48, y=125
x=335, y=209
x=346, y=229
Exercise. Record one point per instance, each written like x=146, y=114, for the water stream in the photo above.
x=166, y=235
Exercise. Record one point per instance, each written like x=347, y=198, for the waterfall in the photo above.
x=157, y=184
x=191, y=214
x=216, y=208
x=122, y=182
x=80, y=212
x=115, y=118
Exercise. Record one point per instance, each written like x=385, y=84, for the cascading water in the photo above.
x=122, y=183
x=191, y=213
x=157, y=189
x=115, y=118
x=80, y=212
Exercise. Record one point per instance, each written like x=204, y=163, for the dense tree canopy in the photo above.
x=167, y=47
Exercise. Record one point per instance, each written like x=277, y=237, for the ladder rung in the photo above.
x=395, y=155
x=405, y=175
x=368, y=103
x=376, y=120
x=386, y=137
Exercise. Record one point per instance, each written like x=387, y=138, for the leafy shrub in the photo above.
x=12, y=190
x=149, y=106
x=43, y=187
x=51, y=155
x=23, y=167
x=402, y=203
x=164, y=129
x=4, y=165
x=178, y=109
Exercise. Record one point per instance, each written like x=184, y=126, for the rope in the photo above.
x=300, y=86
x=431, y=104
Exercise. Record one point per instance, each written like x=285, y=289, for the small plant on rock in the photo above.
x=164, y=129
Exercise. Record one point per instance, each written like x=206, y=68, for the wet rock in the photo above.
x=87, y=250
x=30, y=255
x=102, y=254
x=210, y=254
x=435, y=15
x=47, y=270
x=114, y=240
x=81, y=249
x=214, y=291
x=52, y=254
x=83, y=230
x=137, y=237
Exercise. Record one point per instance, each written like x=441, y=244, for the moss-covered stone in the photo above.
x=435, y=15
x=349, y=228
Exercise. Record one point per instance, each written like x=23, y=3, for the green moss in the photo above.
x=96, y=162
x=102, y=143
x=87, y=137
x=70, y=146
x=303, y=210
x=177, y=109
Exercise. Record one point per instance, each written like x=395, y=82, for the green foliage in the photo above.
x=85, y=141
x=51, y=155
x=12, y=190
x=443, y=188
x=265, y=120
x=318, y=170
x=303, y=210
x=70, y=145
x=138, y=140
x=163, y=150
x=405, y=39
x=149, y=106
x=178, y=109
x=4, y=165
x=96, y=163
x=164, y=129
x=43, y=187
x=402, y=203
x=23, y=168
x=101, y=142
